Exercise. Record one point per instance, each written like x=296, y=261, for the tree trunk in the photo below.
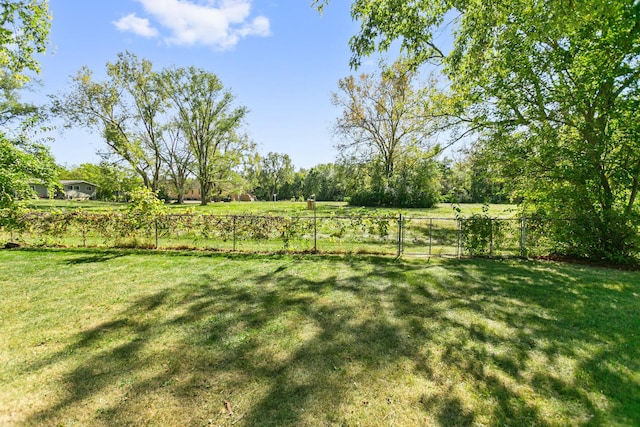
x=145, y=178
x=204, y=193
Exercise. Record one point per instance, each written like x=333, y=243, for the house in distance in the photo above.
x=76, y=189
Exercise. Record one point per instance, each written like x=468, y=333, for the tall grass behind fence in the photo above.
x=383, y=234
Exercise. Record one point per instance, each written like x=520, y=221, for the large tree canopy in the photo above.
x=553, y=90
x=175, y=121
x=209, y=121
x=276, y=171
x=382, y=116
x=385, y=131
x=125, y=109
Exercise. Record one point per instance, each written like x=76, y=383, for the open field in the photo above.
x=442, y=210
x=156, y=338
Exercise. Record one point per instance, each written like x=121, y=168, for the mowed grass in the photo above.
x=191, y=339
x=441, y=210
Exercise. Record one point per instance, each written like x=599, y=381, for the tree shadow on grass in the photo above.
x=94, y=258
x=371, y=342
x=572, y=337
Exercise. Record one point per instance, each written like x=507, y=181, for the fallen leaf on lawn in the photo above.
x=227, y=406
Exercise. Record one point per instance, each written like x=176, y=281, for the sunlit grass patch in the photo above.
x=130, y=338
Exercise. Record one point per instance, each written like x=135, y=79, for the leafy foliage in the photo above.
x=178, y=122
x=125, y=109
x=12, y=109
x=21, y=165
x=146, y=218
x=383, y=116
x=24, y=31
x=414, y=184
x=480, y=233
x=209, y=121
x=145, y=203
x=473, y=179
x=326, y=182
x=385, y=130
x=552, y=89
x=275, y=172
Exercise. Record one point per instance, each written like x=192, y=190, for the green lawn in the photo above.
x=444, y=210
x=85, y=205
x=154, y=338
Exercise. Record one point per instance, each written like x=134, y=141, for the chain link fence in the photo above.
x=366, y=234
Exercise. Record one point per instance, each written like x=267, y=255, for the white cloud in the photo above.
x=139, y=26
x=220, y=24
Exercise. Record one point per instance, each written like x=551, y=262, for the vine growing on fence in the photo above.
x=480, y=234
x=144, y=219
x=149, y=226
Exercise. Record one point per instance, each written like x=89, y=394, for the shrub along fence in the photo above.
x=478, y=235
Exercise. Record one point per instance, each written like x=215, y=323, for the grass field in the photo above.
x=155, y=338
x=442, y=210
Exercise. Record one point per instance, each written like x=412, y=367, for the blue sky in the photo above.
x=280, y=58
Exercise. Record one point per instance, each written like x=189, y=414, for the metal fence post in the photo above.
x=523, y=237
x=490, y=237
x=315, y=226
x=235, y=217
x=458, y=239
x=430, y=234
x=399, y=235
x=403, y=230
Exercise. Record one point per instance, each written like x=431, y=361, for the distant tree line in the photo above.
x=466, y=180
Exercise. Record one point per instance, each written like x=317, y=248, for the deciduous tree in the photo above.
x=210, y=122
x=383, y=116
x=24, y=30
x=178, y=159
x=386, y=124
x=125, y=109
x=23, y=163
x=325, y=181
x=276, y=170
x=553, y=88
